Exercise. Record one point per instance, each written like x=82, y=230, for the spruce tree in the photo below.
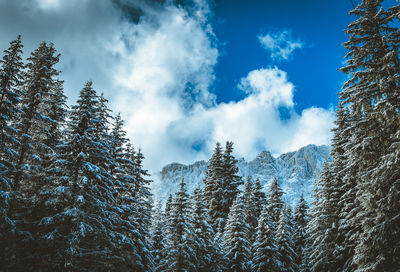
x=179, y=247
x=300, y=220
x=236, y=246
x=231, y=179
x=284, y=242
x=42, y=106
x=275, y=202
x=265, y=256
x=205, y=250
x=10, y=94
x=371, y=94
x=260, y=197
x=157, y=236
x=213, y=190
x=250, y=209
x=84, y=195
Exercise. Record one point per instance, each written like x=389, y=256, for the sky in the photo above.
x=186, y=74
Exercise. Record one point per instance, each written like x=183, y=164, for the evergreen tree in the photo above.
x=84, y=196
x=179, y=247
x=260, y=197
x=275, y=203
x=371, y=95
x=10, y=94
x=300, y=220
x=157, y=236
x=231, y=179
x=205, y=249
x=284, y=242
x=322, y=230
x=38, y=124
x=265, y=255
x=235, y=243
x=250, y=210
x=213, y=190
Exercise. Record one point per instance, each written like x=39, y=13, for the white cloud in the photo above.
x=158, y=74
x=280, y=44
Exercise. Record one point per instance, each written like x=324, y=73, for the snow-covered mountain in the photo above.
x=295, y=172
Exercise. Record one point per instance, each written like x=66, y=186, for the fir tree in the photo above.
x=179, y=247
x=235, y=243
x=213, y=190
x=275, y=203
x=10, y=93
x=300, y=220
x=371, y=94
x=260, y=197
x=38, y=126
x=284, y=242
x=250, y=209
x=265, y=254
x=157, y=236
x=204, y=245
x=85, y=197
x=231, y=179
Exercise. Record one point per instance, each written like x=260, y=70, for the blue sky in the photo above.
x=312, y=69
x=260, y=73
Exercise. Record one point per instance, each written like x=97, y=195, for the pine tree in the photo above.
x=235, y=243
x=275, y=203
x=143, y=196
x=84, y=195
x=265, y=256
x=284, y=242
x=213, y=190
x=38, y=129
x=231, y=179
x=128, y=208
x=260, y=197
x=250, y=209
x=300, y=220
x=205, y=250
x=157, y=236
x=371, y=94
x=322, y=230
x=179, y=247
x=10, y=93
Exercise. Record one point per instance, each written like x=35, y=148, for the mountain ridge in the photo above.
x=295, y=171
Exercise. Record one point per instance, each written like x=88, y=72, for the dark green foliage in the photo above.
x=300, y=221
x=236, y=246
x=275, y=202
x=10, y=93
x=179, y=245
x=221, y=185
x=265, y=255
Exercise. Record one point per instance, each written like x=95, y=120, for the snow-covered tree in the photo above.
x=250, y=209
x=300, y=221
x=179, y=246
x=275, y=202
x=231, y=178
x=265, y=256
x=157, y=236
x=260, y=197
x=236, y=246
x=205, y=249
x=213, y=190
x=284, y=242
x=10, y=93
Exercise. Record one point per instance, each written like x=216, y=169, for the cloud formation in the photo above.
x=280, y=44
x=157, y=68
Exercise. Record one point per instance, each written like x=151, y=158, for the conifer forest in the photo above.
x=74, y=194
